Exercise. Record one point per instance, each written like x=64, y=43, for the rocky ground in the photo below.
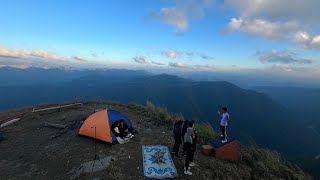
x=33, y=151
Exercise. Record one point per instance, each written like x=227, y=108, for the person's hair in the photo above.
x=191, y=123
x=225, y=109
x=185, y=124
x=180, y=122
x=121, y=121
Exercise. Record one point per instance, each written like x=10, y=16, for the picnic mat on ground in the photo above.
x=157, y=162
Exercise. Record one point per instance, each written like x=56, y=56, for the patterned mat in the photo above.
x=157, y=162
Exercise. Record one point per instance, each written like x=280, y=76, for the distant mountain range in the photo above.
x=11, y=76
x=301, y=103
x=253, y=115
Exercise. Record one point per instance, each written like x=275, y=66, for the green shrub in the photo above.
x=205, y=131
x=150, y=106
x=135, y=106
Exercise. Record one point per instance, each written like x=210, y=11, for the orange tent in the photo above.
x=98, y=125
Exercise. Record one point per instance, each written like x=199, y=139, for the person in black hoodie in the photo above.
x=184, y=130
x=177, y=134
x=194, y=145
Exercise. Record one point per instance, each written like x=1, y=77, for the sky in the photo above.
x=278, y=37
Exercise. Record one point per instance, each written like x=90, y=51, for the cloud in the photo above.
x=190, y=54
x=281, y=68
x=170, y=53
x=181, y=13
x=175, y=17
x=281, y=57
x=157, y=63
x=80, y=58
x=274, y=10
x=205, y=56
x=16, y=66
x=205, y=67
x=307, y=40
x=177, y=65
x=277, y=20
x=95, y=55
x=140, y=60
x=22, y=54
x=263, y=28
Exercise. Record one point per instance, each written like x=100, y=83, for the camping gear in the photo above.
x=225, y=151
x=206, y=149
x=157, y=162
x=98, y=125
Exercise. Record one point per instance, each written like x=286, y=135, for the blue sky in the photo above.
x=197, y=35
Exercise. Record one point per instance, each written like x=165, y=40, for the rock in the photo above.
x=148, y=130
x=92, y=166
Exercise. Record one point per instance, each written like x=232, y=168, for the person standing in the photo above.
x=188, y=148
x=194, y=145
x=224, y=123
x=184, y=131
x=177, y=134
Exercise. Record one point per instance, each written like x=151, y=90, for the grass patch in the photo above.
x=205, y=131
x=266, y=162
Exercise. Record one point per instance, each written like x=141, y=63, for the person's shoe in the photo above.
x=131, y=136
x=224, y=141
x=177, y=156
x=192, y=164
x=188, y=172
x=221, y=135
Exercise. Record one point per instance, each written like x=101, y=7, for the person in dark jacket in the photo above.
x=188, y=141
x=177, y=133
x=184, y=130
x=120, y=129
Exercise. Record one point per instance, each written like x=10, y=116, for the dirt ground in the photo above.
x=33, y=151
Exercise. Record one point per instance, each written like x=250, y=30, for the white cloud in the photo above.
x=174, y=17
x=157, y=63
x=17, y=66
x=274, y=10
x=307, y=40
x=281, y=68
x=17, y=53
x=263, y=28
x=281, y=57
x=177, y=64
x=171, y=53
x=206, y=67
x=80, y=58
x=182, y=12
x=280, y=20
x=140, y=60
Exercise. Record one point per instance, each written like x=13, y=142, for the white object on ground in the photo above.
x=120, y=140
x=10, y=122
